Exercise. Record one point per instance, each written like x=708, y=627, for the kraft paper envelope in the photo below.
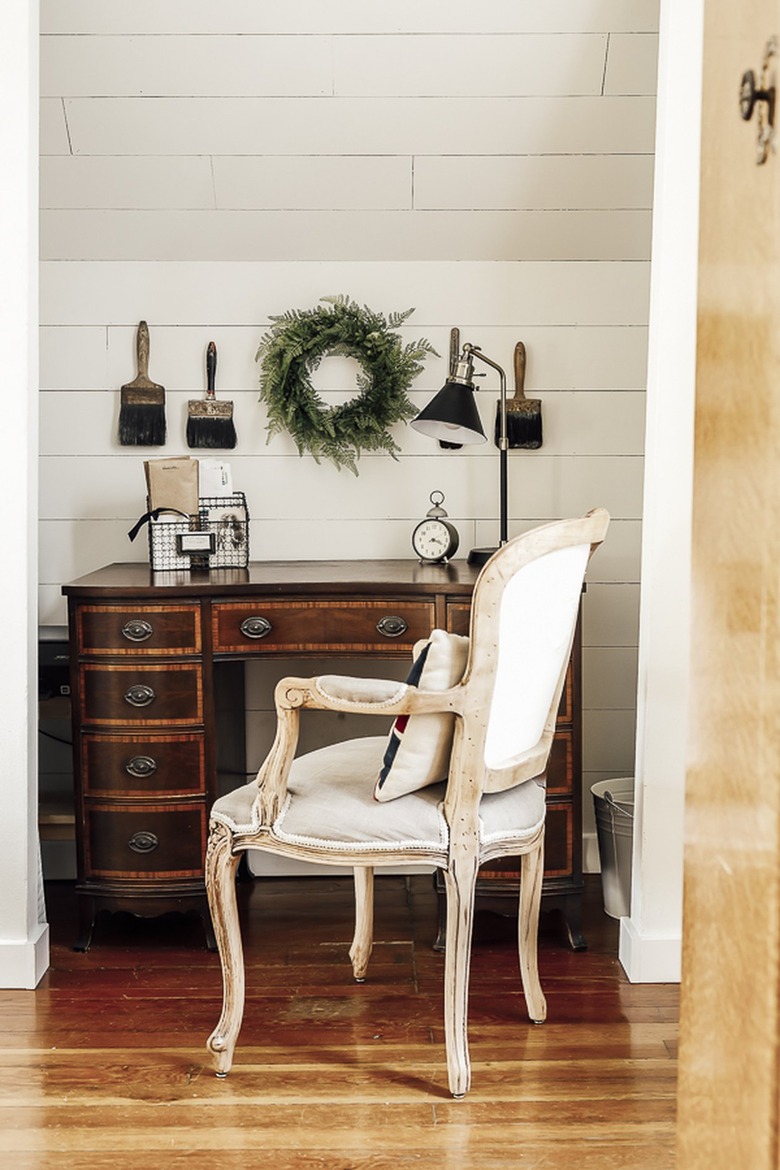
x=173, y=483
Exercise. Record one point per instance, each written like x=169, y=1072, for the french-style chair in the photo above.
x=495, y=725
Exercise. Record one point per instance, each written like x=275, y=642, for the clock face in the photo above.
x=433, y=540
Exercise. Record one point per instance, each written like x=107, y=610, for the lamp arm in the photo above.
x=483, y=357
x=503, y=441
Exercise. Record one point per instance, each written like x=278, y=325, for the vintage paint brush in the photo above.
x=523, y=415
x=142, y=407
x=209, y=422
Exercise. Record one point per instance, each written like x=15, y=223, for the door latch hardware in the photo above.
x=760, y=96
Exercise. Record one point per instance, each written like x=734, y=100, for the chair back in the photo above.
x=524, y=615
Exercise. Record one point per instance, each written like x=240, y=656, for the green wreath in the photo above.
x=292, y=350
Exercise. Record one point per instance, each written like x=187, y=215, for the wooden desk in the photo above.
x=156, y=712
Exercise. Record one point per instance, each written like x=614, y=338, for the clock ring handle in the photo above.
x=392, y=626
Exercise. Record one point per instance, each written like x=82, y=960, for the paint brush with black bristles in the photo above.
x=523, y=415
x=142, y=405
x=209, y=422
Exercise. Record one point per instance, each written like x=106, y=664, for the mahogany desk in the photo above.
x=158, y=711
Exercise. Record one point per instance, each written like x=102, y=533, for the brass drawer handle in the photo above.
x=137, y=630
x=141, y=767
x=256, y=627
x=139, y=695
x=391, y=626
x=143, y=842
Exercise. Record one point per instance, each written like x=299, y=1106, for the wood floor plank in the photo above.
x=104, y=1067
x=531, y=1156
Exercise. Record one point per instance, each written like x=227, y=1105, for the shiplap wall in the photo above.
x=207, y=165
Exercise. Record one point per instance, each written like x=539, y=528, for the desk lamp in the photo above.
x=453, y=418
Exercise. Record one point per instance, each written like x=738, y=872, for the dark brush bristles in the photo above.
x=523, y=423
x=211, y=432
x=142, y=424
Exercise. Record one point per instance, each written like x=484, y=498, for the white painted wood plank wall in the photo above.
x=205, y=166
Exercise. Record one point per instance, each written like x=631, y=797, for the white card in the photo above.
x=216, y=478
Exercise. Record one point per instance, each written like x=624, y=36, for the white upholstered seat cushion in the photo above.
x=330, y=806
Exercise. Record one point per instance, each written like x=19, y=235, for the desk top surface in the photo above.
x=267, y=578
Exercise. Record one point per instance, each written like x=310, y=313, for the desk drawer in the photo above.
x=141, y=695
x=143, y=765
x=458, y=617
x=148, y=629
x=320, y=626
x=154, y=840
x=560, y=765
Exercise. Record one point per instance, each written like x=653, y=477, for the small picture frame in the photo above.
x=227, y=522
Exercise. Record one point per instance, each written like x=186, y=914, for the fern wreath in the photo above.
x=293, y=348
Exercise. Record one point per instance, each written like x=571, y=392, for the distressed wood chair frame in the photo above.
x=464, y=849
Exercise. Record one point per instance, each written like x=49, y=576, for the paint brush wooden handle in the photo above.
x=519, y=360
x=142, y=349
x=211, y=369
x=454, y=347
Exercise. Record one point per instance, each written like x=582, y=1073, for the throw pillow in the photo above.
x=418, y=750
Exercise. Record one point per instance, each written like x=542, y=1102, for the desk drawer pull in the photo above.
x=392, y=627
x=137, y=630
x=256, y=627
x=143, y=841
x=139, y=695
x=141, y=767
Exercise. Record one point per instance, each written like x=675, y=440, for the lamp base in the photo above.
x=480, y=556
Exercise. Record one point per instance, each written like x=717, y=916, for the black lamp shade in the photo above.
x=451, y=416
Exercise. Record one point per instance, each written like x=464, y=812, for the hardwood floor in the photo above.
x=104, y=1066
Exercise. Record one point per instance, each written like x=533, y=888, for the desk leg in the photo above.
x=205, y=917
x=90, y=907
x=569, y=906
x=86, y=910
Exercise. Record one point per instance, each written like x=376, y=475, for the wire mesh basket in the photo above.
x=217, y=538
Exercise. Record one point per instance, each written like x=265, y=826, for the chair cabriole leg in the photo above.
x=363, y=940
x=221, y=864
x=532, y=872
x=460, y=881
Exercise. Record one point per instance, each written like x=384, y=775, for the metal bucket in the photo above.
x=614, y=806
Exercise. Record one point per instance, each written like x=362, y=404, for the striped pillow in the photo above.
x=418, y=750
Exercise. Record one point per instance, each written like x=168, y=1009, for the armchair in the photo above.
x=500, y=718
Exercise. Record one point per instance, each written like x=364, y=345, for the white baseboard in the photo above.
x=591, y=862
x=649, y=959
x=24, y=963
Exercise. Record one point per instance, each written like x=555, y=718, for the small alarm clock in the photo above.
x=435, y=539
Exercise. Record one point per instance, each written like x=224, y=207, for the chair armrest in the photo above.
x=359, y=693
x=333, y=692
